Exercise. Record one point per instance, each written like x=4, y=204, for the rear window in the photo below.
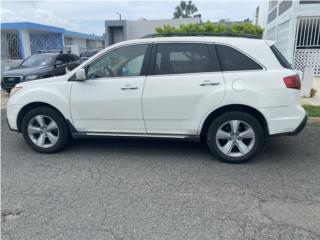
x=233, y=60
x=283, y=61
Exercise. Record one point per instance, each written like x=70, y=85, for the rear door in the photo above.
x=184, y=84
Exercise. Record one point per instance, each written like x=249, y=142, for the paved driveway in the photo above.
x=130, y=189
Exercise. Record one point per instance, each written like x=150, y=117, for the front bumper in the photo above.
x=300, y=127
x=12, y=115
x=4, y=87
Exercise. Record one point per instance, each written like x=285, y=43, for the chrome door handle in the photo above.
x=129, y=87
x=209, y=83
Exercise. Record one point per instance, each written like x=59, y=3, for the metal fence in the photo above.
x=10, y=45
x=45, y=41
x=307, y=44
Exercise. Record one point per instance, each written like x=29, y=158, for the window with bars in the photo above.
x=10, y=45
x=308, y=33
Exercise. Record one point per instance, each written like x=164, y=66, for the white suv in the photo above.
x=231, y=92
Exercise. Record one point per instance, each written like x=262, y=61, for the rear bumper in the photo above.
x=300, y=127
x=284, y=120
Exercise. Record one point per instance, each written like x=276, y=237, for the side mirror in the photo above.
x=80, y=75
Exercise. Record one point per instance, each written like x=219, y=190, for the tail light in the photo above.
x=292, y=82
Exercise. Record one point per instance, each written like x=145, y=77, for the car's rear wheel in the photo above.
x=235, y=137
x=45, y=130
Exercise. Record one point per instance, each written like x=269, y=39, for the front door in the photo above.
x=110, y=99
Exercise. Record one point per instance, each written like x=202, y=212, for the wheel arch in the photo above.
x=239, y=107
x=33, y=105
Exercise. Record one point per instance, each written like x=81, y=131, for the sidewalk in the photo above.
x=4, y=99
x=315, y=101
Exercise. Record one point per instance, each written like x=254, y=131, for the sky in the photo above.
x=89, y=16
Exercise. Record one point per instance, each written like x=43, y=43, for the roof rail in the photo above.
x=50, y=51
x=223, y=34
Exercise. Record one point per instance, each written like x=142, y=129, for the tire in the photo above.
x=53, y=130
x=235, y=146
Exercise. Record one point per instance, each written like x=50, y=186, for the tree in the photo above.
x=185, y=10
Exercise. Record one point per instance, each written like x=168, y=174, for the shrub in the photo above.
x=239, y=29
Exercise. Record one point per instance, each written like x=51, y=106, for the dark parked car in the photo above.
x=88, y=54
x=37, y=66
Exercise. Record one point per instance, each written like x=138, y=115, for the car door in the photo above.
x=185, y=84
x=110, y=99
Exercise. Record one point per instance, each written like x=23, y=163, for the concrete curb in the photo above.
x=315, y=121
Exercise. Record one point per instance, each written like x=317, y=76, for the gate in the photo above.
x=307, y=44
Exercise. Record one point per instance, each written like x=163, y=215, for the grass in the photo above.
x=313, y=111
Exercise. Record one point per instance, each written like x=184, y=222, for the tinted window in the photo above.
x=124, y=61
x=89, y=53
x=234, y=60
x=175, y=58
x=63, y=58
x=283, y=61
x=73, y=58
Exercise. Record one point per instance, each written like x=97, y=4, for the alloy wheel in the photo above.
x=235, y=138
x=43, y=131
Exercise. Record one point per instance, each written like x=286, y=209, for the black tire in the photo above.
x=229, y=116
x=63, y=136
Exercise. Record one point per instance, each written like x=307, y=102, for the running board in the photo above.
x=135, y=135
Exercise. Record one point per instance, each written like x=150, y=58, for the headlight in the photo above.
x=31, y=77
x=14, y=90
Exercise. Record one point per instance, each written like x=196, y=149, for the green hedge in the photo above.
x=239, y=29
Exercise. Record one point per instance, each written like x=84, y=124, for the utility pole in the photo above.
x=119, y=14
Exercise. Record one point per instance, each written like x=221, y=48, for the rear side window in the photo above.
x=73, y=58
x=282, y=60
x=234, y=60
x=177, y=58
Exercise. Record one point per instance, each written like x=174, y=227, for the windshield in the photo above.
x=38, y=60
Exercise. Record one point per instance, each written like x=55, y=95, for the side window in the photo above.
x=283, y=61
x=234, y=60
x=63, y=58
x=175, y=58
x=124, y=61
x=73, y=58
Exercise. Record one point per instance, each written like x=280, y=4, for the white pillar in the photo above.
x=25, y=43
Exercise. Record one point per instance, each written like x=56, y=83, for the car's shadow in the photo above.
x=274, y=149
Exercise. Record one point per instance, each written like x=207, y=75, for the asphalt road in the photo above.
x=139, y=189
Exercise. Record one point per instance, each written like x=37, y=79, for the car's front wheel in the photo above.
x=45, y=130
x=235, y=137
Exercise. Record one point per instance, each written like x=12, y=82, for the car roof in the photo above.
x=47, y=53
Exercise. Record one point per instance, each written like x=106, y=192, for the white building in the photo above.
x=295, y=26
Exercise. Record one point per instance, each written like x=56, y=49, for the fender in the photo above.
x=58, y=96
